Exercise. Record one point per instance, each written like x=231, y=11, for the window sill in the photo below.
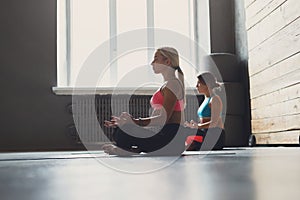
x=102, y=91
x=108, y=90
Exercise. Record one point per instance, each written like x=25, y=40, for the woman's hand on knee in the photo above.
x=110, y=124
x=191, y=124
x=124, y=118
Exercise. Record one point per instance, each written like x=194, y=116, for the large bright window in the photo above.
x=88, y=27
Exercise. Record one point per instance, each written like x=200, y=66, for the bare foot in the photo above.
x=114, y=150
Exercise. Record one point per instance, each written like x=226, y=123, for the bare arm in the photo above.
x=161, y=116
x=213, y=121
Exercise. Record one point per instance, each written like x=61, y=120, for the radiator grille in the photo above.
x=89, y=113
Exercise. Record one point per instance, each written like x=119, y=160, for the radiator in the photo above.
x=89, y=113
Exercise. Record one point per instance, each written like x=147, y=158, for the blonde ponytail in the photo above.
x=172, y=54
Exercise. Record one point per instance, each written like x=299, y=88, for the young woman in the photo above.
x=131, y=136
x=210, y=117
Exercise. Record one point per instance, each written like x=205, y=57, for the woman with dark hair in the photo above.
x=210, y=117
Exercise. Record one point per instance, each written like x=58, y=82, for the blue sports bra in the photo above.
x=204, y=109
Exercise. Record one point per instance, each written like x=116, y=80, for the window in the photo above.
x=119, y=37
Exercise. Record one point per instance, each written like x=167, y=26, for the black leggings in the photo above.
x=167, y=141
x=213, y=139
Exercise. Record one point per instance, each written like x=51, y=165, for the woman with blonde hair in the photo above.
x=131, y=136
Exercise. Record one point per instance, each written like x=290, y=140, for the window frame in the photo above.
x=64, y=64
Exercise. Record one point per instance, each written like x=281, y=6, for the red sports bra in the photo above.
x=157, y=101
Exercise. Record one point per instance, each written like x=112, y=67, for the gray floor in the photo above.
x=253, y=173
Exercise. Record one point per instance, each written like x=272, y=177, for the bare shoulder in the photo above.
x=176, y=87
x=174, y=82
x=216, y=99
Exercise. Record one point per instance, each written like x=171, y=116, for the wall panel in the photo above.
x=273, y=30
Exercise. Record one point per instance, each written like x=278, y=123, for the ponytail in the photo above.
x=180, y=76
x=172, y=54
